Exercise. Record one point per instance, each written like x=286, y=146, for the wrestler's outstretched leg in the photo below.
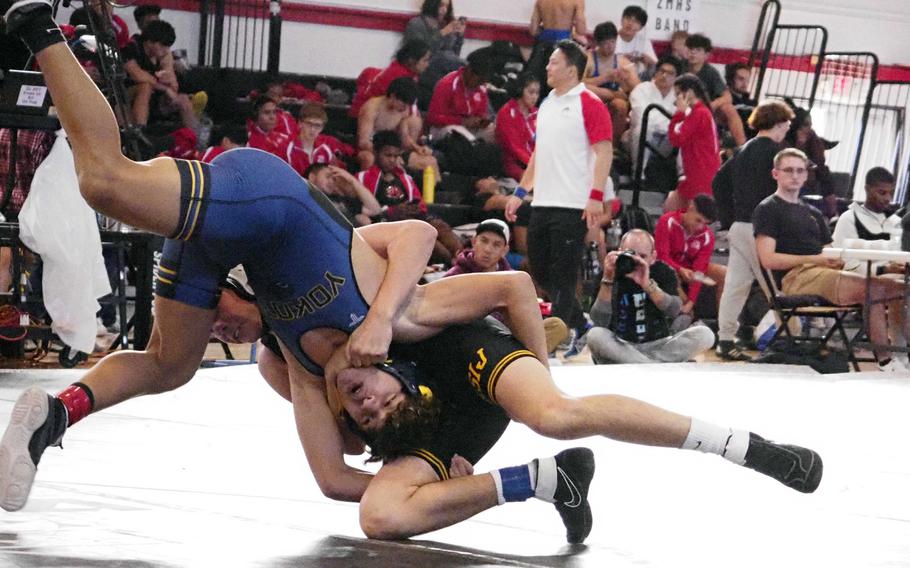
x=144, y=195
x=527, y=393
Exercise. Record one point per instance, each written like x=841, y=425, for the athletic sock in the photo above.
x=515, y=483
x=78, y=401
x=726, y=442
x=38, y=29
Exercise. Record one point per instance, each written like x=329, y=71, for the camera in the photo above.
x=625, y=264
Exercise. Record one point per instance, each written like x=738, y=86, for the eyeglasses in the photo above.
x=666, y=71
x=793, y=171
x=314, y=124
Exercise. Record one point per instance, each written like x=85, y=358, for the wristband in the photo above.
x=520, y=192
x=596, y=195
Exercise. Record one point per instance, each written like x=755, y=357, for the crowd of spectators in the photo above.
x=427, y=124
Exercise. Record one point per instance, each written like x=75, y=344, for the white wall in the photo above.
x=881, y=26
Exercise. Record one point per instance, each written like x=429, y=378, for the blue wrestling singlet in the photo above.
x=250, y=207
x=552, y=35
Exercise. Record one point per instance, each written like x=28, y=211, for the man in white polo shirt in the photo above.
x=568, y=173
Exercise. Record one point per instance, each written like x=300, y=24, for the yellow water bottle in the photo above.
x=429, y=185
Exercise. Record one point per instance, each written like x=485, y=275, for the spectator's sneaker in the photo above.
x=38, y=420
x=579, y=341
x=729, y=351
x=796, y=467
x=16, y=12
x=894, y=366
x=574, y=471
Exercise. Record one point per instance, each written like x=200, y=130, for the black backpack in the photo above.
x=635, y=217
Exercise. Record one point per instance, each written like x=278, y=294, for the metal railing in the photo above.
x=868, y=117
x=887, y=140
x=767, y=21
x=644, y=145
x=240, y=34
x=791, y=63
x=841, y=110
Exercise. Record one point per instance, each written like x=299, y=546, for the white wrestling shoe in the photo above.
x=38, y=420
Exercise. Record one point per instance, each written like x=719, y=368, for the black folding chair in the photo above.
x=789, y=306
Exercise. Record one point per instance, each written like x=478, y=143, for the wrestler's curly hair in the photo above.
x=410, y=427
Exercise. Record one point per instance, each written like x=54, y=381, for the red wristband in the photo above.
x=596, y=194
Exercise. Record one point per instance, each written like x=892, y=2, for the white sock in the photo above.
x=712, y=439
x=545, y=473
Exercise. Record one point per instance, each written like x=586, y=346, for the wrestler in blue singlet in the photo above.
x=250, y=207
x=612, y=85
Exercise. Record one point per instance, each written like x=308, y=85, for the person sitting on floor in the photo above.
x=638, y=300
x=685, y=242
x=489, y=247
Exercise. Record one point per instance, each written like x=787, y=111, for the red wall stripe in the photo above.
x=484, y=30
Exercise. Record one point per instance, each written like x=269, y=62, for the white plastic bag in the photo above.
x=56, y=223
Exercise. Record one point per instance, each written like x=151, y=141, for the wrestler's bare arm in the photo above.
x=404, y=249
x=320, y=436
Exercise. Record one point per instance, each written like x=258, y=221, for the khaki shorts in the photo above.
x=813, y=280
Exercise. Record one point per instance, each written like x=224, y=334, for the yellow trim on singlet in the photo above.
x=165, y=269
x=165, y=280
x=186, y=219
x=500, y=367
x=201, y=196
x=441, y=470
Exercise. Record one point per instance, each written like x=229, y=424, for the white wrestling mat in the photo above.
x=212, y=475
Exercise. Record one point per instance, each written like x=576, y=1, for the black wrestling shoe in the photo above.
x=38, y=420
x=17, y=12
x=796, y=467
x=729, y=351
x=574, y=470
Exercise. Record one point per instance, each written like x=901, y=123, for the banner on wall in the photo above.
x=668, y=16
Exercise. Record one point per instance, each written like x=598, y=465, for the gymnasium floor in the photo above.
x=213, y=475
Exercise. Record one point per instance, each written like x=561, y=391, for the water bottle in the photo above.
x=614, y=235
x=592, y=262
x=429, y=185
x=204, y=133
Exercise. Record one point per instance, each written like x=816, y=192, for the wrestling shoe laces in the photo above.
x=15, y=13
x=37, y=421
x=794, y=466
x=574, y=471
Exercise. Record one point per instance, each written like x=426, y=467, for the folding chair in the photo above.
x=786, y=307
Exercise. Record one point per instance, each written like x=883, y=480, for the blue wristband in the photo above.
x=520, y=192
